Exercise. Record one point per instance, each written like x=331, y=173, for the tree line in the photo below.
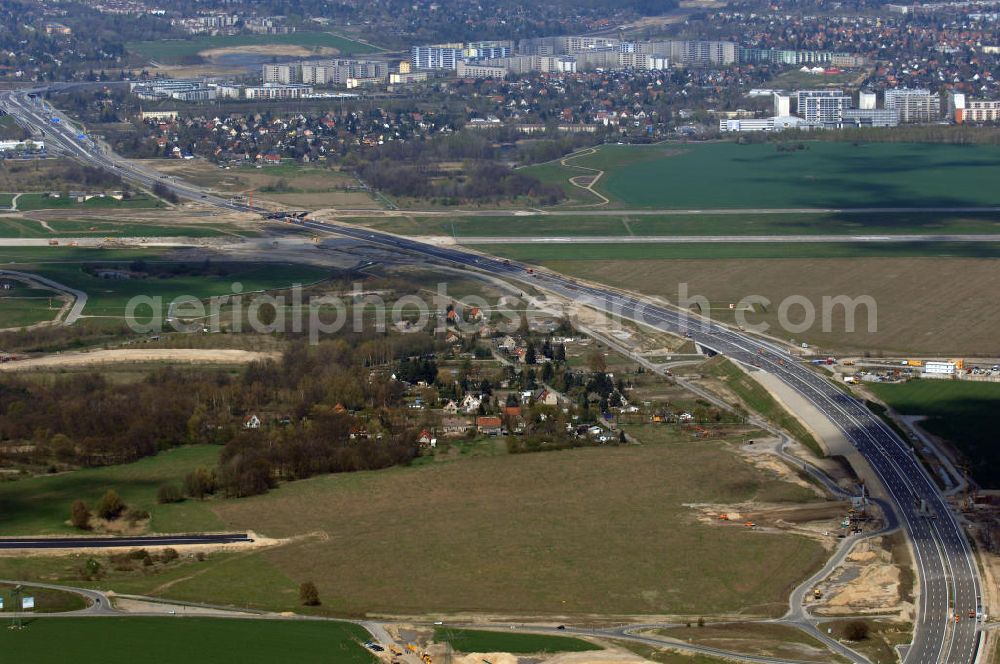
x=324, y=408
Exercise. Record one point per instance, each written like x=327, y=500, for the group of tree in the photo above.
x=483, y=182
x=109, y=507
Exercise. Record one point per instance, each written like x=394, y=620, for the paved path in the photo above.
x=699, y=239
x=80, y=298
x=108, y=542
x=642, y=212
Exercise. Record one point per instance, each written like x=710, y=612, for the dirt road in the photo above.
x=129, y=355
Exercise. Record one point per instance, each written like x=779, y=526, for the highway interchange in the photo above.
x=945, y=564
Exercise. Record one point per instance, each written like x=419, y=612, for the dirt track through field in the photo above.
x=125, y=356
x=586, y=182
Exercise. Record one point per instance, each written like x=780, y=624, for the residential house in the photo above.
x=455, y=426
x=471, y=403
x=427, y=439
x=545, y=397
x=489, y=425
x=508, y=343
x=251, y=422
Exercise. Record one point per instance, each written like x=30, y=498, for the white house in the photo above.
x=471, y=403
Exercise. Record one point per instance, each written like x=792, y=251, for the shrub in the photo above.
x=79, y=515
x=110, y=506
x=856, y=630
x=169, y=493
x=309, y=594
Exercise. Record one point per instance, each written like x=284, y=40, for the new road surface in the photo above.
x=115, y=542
x=949, y=580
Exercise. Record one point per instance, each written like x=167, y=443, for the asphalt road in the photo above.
x=79, y=297
x=949, y=580
x=108, y=542
x=702, y=239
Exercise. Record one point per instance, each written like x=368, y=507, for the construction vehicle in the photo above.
x=817, y=593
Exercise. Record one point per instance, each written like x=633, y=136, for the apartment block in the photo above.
x=440, y=56
x=476, y=70
x=914, y=105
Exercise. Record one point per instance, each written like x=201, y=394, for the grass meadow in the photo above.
x=823, y=175
x=583, y=225
x=168, y=640
x=174, y=50
x=595, y=530
x=965, y=413
x=470, y=640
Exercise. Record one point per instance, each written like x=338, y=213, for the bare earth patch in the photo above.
x=290, y=50
x=128, y=355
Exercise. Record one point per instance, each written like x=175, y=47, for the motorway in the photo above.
x=944, y=561
x=115, y=542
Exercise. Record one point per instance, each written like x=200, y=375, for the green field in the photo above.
x=686, y=224
x=824, y=175
x=468, y=640
x=965, y=413
x=171, y=640
x=46, y=600
x=112, y=228
x=172, y=50
x=541, y=253
x=6, y=200
x=17, y=312
x=29, y=202
x=759, y=639
x=108, y=297
x=101, y=228
x=40, y=505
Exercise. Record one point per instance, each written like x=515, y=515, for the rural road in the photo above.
x=108, y=542
x=667, y=212
x=699, y=239
x=79, y=301
x=99, y=603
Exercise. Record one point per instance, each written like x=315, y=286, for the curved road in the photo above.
x=943, y=557
x=79, y=297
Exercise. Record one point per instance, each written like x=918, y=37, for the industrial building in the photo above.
x=869, y=117
x=277, y=91
x=172, y=89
